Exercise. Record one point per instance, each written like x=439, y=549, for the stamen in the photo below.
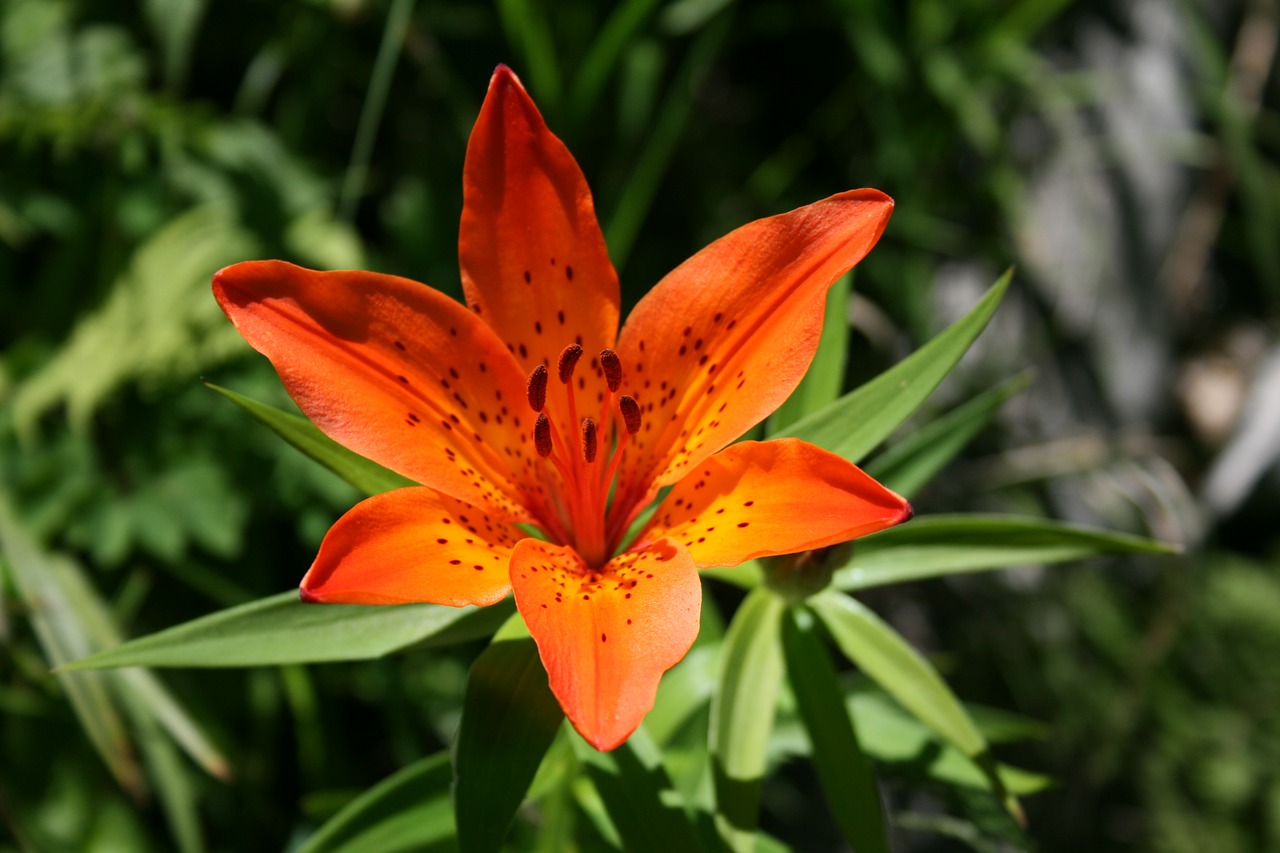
x=612, y=368
x=630, y=411
x=536, y=390
x=542, y=432
x=589, y=440
x=568, y=361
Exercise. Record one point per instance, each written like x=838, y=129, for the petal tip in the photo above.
x=308, y=597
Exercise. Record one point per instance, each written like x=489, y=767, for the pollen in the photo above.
x=568, y=361
x=542, y=434
x=612, y=366
x=536, y=390
x=630, y=411
x=589, y=445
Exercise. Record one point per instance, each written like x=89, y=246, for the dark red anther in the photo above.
x=589, y=440
x=612, y=368
x=568, y=361
x=536, y=390
x=630, y=411
x=542, y=434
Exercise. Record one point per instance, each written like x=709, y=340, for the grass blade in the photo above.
x=856, y=423
x=937, y=545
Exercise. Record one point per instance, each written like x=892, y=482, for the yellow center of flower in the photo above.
x=580, y=515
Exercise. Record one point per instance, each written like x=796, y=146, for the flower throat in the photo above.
x=581, y=515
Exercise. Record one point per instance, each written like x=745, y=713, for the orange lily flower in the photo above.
x=526, y=407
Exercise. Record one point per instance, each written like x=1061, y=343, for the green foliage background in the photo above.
x=1122, y=154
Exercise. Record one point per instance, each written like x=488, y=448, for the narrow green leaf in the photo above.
x=742, y=712
x=38, y=579
x=889, y=660
x=821, y=385
x=409, y=810
x=509, y=719
x=844, y=772
x=281, y=629
x=636, y=791
x=170, y=777
x=856, y=423
x=605, y=51
x=953, y=544
x=365, y=474
x=911, y=463
x=525, y=24
x=892, y=736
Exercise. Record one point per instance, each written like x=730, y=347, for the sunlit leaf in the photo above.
x=509, y=719
x=886, y=658
x=282, y=629
x=914, y=461
x=951, y=544
x=820, y=386
x=742, y=711
x=843, y=770
x=365, y=474
x=856, y=423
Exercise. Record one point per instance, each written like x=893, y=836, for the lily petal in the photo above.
x=395, y=371
x=533, y=258
x=722, y=340
x=606, y=636
x=760, y=498
x=411, y=545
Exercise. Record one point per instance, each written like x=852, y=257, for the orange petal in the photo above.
x=534, y=264
x=409, y=545
x=607, y=636
x=394, y=370
x=721, y=341
x=758, y=498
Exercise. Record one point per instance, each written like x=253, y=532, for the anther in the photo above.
x=612, y=368
x=568, y=361
x=630, y=410
x=542, y=433
x=589, y=440
x=536, y=390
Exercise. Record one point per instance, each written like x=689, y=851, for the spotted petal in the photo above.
x=534, y=263
x=722, y=340
x=411, y=545
x=606, y=636
x=760, y=498
x=395, y=371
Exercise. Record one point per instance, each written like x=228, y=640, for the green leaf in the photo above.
x=892, y=736
x=856, y=423
x=604, y=53
x=365, y=474
x=409, y=810
x=844, y=772
x=509, y=719
x=742, y=711
x=889, y=660
x=914, y=461
x=821, y=385
x=528, y=31
x=281, y=629
x=40, y=582
x=953, y=544
x=636, y=790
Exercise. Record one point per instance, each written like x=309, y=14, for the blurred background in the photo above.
x=1122, y=154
